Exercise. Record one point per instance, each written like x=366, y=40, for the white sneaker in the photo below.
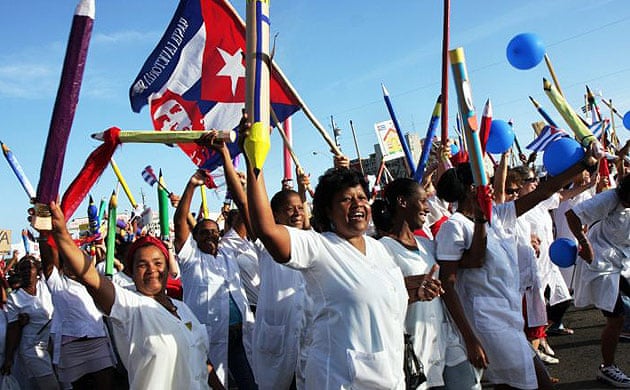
x=546, y=358
x=546, y=348
x=613, y=376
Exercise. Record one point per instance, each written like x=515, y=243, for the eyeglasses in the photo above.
x=511, y=191
x=532, y=179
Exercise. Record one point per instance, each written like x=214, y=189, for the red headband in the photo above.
x=142, y=242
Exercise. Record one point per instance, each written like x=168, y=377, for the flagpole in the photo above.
x=63, y=112
x=275, y=68
x=445, y=62
x=356, y=146
x=288, y=171
x=552, y=73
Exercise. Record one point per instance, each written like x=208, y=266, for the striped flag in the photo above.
x=600, y=127
x=546, y=136
x=149, y=176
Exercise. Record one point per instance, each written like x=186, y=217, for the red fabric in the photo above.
x=91, y=171
x=436, y=226
x=460, y=157
x=142, y=242
x=174, y=288
x=485, y=201
x=532, y=333
x=603, y=168
x=420, y=233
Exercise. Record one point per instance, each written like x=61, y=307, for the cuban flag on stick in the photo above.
x=149, y=176
x=546, y=136
x=600, y=127
x=195, y=78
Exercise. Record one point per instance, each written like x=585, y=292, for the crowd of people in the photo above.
x=291, y=294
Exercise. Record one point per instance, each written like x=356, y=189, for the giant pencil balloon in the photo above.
x=163, y=203
x=428, y=140
x=258, y=141
x=110, y=242
x=446, y=26
x=63, y=111
x=486, y=124
x=471, y=129
x=581, y=131
x=408, y=157
x=19, y=172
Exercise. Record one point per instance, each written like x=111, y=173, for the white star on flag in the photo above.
x=233, y=67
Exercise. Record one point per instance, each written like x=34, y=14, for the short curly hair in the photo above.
x=330, y=183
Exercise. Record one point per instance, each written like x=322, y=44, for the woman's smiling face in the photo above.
x=350, y=212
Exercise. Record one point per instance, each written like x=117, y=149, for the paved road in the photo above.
x=579, y=353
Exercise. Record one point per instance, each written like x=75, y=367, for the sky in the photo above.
x=335, y=53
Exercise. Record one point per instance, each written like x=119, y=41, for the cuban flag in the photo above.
x=600, y=127
x=546, y=136
x=195, y=78
x=149, y=176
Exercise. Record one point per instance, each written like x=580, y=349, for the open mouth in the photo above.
x=357, y=215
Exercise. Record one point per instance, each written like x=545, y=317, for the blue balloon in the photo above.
x=561, y=154
x=525, y=51
x=454, y=149
x=626, y=120
x=501, y=137
x=563, y=252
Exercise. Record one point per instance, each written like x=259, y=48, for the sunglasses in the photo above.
x=511, y=191
x=532, y=179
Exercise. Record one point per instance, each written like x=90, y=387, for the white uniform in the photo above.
x=208, y=282
x=435, y=341
x=490, y=295
x=541, y=224
x=359, y=305
x=279, y=323
x=32, y=357
x=76, y=316
x=563, y=231
x=159, y=350
x=247, y=260
x=609, y=234
x=530, y=284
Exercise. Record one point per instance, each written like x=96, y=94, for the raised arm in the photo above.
x=500, y=175
x=304, y=182
x=577, y=228
x=274, y=237
x=180, y=219
x=100, y=288
x=554, y=184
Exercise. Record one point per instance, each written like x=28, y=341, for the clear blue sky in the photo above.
x=336, y=53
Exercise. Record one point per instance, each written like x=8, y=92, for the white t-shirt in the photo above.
x=435, y=341
x=490, y=294
x=33, y=357
x=359, y=306
x=159, y=350
x=75, y=313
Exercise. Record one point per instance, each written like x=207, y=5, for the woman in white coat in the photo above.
x=358, y=292
x=605, y=271
x=435, y=340
x=485, y=301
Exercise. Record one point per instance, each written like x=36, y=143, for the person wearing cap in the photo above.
x=159, y=340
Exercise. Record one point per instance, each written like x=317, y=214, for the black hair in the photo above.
x=330, y=183
x=24, y=272
x=453, y=184
x=623, y=189
x=281, y=198
x=201, y=222
x=384, y=210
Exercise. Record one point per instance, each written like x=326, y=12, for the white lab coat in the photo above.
x=247, y=260
x=541, y=224
x=207, y=282
x=530, y=284
x=609, y=234
x=435, y=340
x=279, y=323
x=490, y=295
x=159, y=350
x=359, y=306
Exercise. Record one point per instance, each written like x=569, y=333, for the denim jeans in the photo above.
x=238, y=365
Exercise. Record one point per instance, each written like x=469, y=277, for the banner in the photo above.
x=388, y=140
